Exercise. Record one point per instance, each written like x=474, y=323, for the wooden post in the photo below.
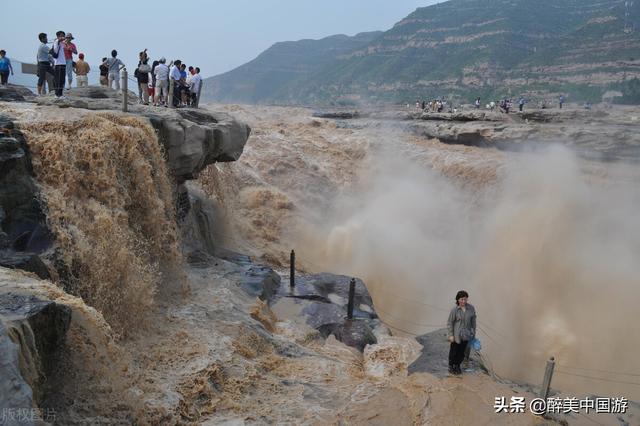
x=199, y=91
x=170, y=97
x=125, y=90
x=546, y=382
x=292, y=271
x=352, y=294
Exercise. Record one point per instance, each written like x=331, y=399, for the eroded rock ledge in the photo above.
x=192, y=138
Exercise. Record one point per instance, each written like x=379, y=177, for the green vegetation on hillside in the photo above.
x=459, y=48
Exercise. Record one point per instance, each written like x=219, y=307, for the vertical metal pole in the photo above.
x=170, y=97
x=546, y=382
x=292, y=271
x=199, y=91
x=125, y=90
x=352, y=294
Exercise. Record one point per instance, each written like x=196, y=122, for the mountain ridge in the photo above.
x=461, y=49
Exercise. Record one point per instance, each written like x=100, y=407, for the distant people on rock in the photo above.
x=521, y=103
x=59, y=63
x=161, y=91
x=461, y=330
x=424, y=105
x=142, y=75
x=152, y=85
x=143, y=56
x=175, y=76
x=477, y=103
x=104, y=73
x=82, y=71
x=184, y=85
x=44, y=60
x=417, y=104
x=492, y=105
x=196, y=82
x=561, y=101
x=505, y=105
x=587, y=105
x=114, y=65
x=5, y=68
x=70, y=49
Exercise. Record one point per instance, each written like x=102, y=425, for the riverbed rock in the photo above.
x=23, y=230
x=323, y=299
x=32, y=330
x=15, y=93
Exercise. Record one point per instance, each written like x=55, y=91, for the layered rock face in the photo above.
x=32, y=329
x=583, y=130
x=192, y=138
x=464, y=49
x=23, y=231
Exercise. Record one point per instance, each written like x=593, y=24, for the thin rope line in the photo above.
x=598, y=378
x=599, y=371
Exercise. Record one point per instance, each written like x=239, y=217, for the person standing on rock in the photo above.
x=561, y=101
x=175, y=75
x=115, y=65
x=59, y=63
x=5, y=68
x=142, y=75
x=70, y=49
x=44, y=63
x=196, y=81
x=104, y=73
x=521, y=103
x=160, y=92
x=461, y=329
x=82, y=71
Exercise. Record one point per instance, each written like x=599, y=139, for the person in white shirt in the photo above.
x=175, y=75
x=196, y=81
x=161, y=71
x=59, y=63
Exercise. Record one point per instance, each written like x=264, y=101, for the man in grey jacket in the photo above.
x=461, y=330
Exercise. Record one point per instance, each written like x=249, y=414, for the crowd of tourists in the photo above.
x=61, y=61
x=436, y=105
x=504, y=105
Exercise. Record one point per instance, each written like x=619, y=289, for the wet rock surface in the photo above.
x=323, y=302
x=15, y=93
x=434, y=358
x=23, y=230
x=32, y=331
x=584, y=131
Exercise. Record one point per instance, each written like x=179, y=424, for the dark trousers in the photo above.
x=4, y=77
x=456, y=352
x=59, y=74
x=44, y=68
x=521, y=106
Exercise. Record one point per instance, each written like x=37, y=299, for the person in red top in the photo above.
x=69, y=50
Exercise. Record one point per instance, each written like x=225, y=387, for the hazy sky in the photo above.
x=215, y=35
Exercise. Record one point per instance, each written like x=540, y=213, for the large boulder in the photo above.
x=13, y=93
x=195, y=138
x=323, y=300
